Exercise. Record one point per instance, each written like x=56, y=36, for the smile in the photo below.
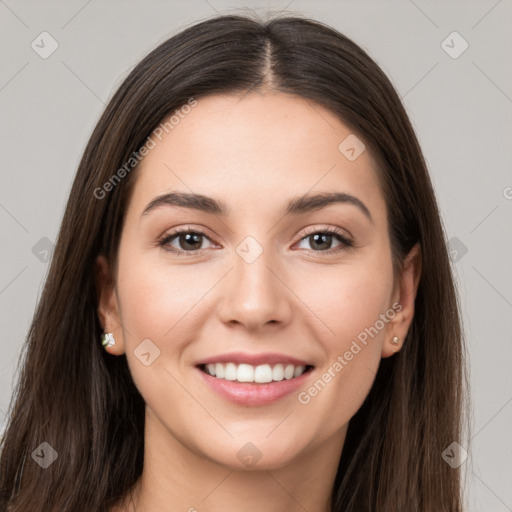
x=256, y=386
x=261, y=374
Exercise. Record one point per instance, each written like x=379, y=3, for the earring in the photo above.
x=394, y=340
x=107, y=340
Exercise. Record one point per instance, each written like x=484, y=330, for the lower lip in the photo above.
x=252, y=394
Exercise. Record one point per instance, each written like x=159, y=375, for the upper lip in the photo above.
x=253, y=359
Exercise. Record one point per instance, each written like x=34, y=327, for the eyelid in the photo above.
x=310, y=230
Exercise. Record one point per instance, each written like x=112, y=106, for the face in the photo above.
x=310, y=287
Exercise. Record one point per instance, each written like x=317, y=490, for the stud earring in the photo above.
x=395, y=340
x=107, y=340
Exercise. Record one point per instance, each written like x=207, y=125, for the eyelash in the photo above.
x=346, y=243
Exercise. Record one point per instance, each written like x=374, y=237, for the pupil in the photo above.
x=323, y=237
x=189, y=239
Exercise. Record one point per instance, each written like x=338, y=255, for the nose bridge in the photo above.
x=254, y=296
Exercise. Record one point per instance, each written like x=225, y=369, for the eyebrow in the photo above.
x=296, y=206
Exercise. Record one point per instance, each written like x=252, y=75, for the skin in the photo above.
x=254, y=153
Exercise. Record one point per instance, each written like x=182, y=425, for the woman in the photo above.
x=250, y=304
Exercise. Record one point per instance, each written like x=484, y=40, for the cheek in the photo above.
x=361, y=299
x=157, y=297
x=348, y=298
x=353, y=304
x=159, y=301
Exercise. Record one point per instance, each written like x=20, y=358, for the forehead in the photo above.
x=254, y=151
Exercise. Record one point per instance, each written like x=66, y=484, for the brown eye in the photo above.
x=183, y=241
x=322, y=241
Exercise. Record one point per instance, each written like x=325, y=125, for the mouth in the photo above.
x=253, y=386
x=252, y=374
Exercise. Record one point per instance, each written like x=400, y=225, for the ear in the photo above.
x=108, y=310
x=404, y=297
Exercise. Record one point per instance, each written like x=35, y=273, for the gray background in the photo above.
x=460, y=107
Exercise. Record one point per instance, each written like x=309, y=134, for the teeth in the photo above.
x=260, y=374
x=278, y=372
x=298, y=371
x=219, y=371
x=244, y=373
x=230, y=371
x=263, y=374
x=289, y=371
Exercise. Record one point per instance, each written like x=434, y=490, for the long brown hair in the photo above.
x=83, y=402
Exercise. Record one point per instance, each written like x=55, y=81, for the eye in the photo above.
x=321, y=240
x=188, y=241
x=191, y=241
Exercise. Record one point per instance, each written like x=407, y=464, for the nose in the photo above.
x=255, y=294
